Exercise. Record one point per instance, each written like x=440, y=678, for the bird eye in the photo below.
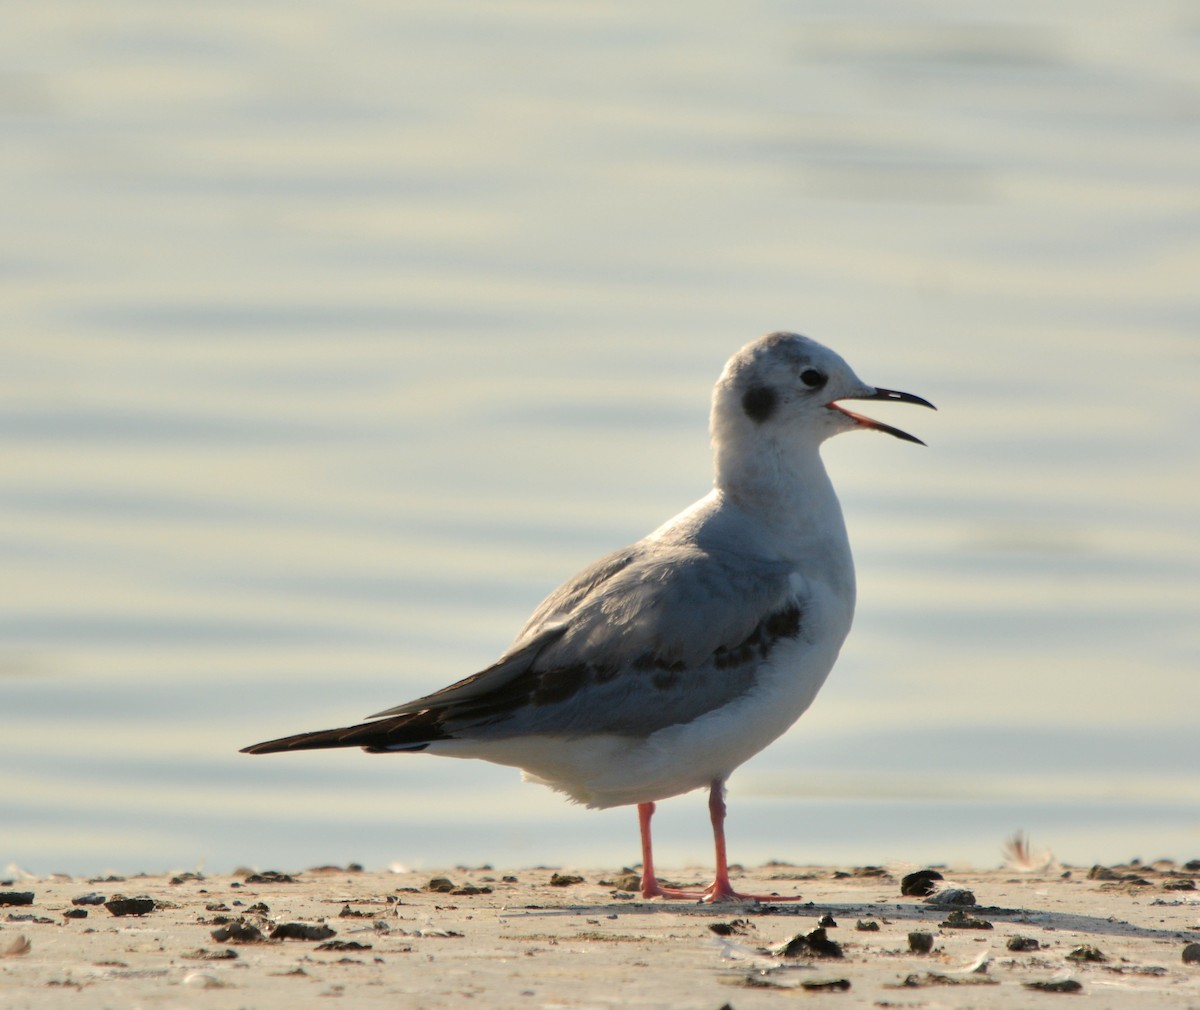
x=812, y=378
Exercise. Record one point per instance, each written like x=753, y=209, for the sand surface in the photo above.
x=526, y=938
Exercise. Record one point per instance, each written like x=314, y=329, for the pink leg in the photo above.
x=720, y=889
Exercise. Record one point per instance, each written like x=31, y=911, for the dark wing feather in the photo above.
x=650, y=636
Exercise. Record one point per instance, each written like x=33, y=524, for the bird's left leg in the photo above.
x=721, y=889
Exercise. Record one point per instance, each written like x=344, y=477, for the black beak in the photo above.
x=893, y=396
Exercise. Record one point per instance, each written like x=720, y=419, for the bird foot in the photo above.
x=712, y=894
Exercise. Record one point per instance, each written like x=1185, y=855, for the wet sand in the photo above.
x=1111, y=936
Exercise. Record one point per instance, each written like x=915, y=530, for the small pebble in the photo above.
x=959, y=919
x=1191, y=953
x=1065, y=985
x=140, y=905
x=200, y=980
x=1022, y=943
x=1086, y=952
x=920, y=883
x=16, y=897
x=564, y=880
x=920, y=943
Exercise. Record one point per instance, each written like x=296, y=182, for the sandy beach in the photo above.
x=1113, y=936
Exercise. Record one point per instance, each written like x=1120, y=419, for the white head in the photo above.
x=777, y=398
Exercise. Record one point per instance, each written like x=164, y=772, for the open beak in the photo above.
x=891, y=395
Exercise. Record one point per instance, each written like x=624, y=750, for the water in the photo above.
x=334, y=338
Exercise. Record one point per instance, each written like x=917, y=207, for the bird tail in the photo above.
x=412, y=732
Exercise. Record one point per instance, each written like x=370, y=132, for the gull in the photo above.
x=665, y=665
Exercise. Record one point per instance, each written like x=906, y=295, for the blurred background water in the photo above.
x=335, y=336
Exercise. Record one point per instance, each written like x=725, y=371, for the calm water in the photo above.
x=334, y=338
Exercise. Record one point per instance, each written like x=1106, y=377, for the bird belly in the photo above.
x=607, y=770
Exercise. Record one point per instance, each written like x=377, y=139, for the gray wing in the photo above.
x=650, y=636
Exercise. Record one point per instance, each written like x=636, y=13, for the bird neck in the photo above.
x=786, y=488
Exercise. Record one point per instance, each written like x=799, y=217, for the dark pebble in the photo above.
x=302, y=931
x=919, y=884
x=130, y=906
x=827, y=921
x=200, y=954
x=814, y=944
x=183, y=878
x=867, y=926
x=1179, y=885
x=960, y=920
x=1023, y=943
x=343, y=945
x=1191, y=953
x=75, y=913
x=827, y=985
x=564, y=880
x=735, y=927
x=1066, y=985
x=1087, y=953
x=440, y=885
x=1099, y=872
x=270, y=877
x=16, y=897
x=920, y=943
x=239, y=932
x=90, y=899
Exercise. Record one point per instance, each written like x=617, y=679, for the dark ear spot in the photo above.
x=759, y=403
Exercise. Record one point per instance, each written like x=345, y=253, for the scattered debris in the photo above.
x=270, y=877
x=827, y=921
x=354, y=913
x=343, y=945
x=919, y=884
x=1087, y=952
x=867, y=926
